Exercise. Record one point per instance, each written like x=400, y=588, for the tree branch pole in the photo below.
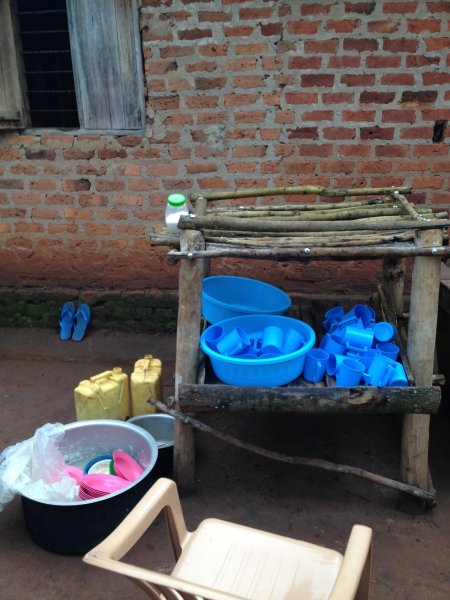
x=296, y=460
x=296, y=190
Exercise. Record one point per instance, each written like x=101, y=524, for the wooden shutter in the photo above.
x=107, y=63
x=13, y=104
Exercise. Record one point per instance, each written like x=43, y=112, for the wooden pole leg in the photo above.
x=188, y=338
x=420, y=349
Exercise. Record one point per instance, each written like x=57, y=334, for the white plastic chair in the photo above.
x=225, y=561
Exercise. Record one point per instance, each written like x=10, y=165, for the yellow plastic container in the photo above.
x=103, y=396
x=146, y=382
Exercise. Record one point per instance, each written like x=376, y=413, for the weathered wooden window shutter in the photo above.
x=13, y=102
x=107, y=63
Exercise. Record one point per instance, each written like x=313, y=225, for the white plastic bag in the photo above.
x=35, y=468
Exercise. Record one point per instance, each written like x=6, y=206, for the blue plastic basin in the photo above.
x=226, y=296
x=275, y=371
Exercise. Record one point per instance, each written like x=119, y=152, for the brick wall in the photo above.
x=240, y=94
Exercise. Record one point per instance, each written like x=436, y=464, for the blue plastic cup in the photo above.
x=272, y=340
x=383, y=332
x=399, y=377
x=234, y=342
x=270, y=354
x=363, y=312
x=358, y=338
x=333, y=363
x=331, y=343
x=333, y=316
x=380, y=370
x=315, y=363
x=292, y=341
x=350, y=373
x=389, y=349
x=366, y=357
x=213, y=335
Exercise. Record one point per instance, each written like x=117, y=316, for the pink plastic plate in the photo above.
x=102, y=483
x=74, y=472
x=126, y=466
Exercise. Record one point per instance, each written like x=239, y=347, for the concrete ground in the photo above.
x=38, y=373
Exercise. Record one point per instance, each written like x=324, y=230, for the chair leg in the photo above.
x=362, y=592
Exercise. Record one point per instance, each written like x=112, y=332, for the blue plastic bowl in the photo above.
x=225, y=297
x=276, y=371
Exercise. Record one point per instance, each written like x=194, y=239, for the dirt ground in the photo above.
x=38, y=373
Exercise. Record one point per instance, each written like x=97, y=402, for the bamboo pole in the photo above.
x=305, y=206
x=296, y=190
x=406, y=205
x=296, y=460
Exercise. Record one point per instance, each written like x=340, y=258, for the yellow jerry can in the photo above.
x=146, y=382
x=103, y=396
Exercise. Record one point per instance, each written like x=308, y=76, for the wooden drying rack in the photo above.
x=387, y=227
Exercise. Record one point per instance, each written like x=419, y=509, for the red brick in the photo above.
x=358, y=80
x=437, y=44
x=299, y=167
x=97, y=230
x=272, y=63
x=385, y=26
x=430, y=150
x=195, y=34
x=179, y=119
x=398, y=116
x=240, y=31
x=201, y=168
x=249, y=81
x=301, y=98
x=339, y=133
x=241, y=167
x=162, y=169
x=303, y=62
x=360, y=45
x=11, y=184
x=358, y=150
x=417, y=60
x=165, y=102
x=400, y=7
x=397, y=79
x=9, y=154
x=421, y=97
x=342, y=25
x=377, y=133
x=303, y=133
x=213, y=49
x=210, y=119
x=196, y=102
x=156, y=35
x=367, y=97
x=337, y=97
x=435, y=114
x=323, y=150
x=375, y=61
x=424, y=182
x=373, y=166
x=303, y=27
x=284, y=149
x=214, y=183
x=284, y=117
x=416, y=133
x=338, y=166
x=321, y=47
x=412, y=165
x=317, y=79
x=90, y=170
x=252, y=48
x=250, y=151
x=78, y=214
x=255, y=13
x=441, y=167
x=272, y=133
x=108, y=154
x=365, y=8
x=240, y=99
x=92, y=200
x=318, y=115
x=76, y=154
x=40, y=154
x=358, y=115
x=22, y=227
x=43, y=184
x=23, y=169
x=213, y=16
x=175, y=51
x=105, y=185
x=76, y=185
x=269, y=29
x=421, y=25
x=250, y=116
x=240, y=64
x=344, y=62
x=436, y=78
x=392, y=150
x=61, y=199
x=210, y=83
x=316, y=8
x=201, y=66
x=129, y=200
x=401, y=45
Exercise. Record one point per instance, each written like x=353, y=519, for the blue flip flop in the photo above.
x=66, y=320
x=82, y=317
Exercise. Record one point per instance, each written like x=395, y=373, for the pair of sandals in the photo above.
x=73, y=324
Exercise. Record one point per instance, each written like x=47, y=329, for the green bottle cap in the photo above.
x=176, y=200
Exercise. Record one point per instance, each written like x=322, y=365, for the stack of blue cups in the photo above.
x=356, y=350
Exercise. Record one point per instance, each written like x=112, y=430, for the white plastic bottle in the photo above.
x=176, y=206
